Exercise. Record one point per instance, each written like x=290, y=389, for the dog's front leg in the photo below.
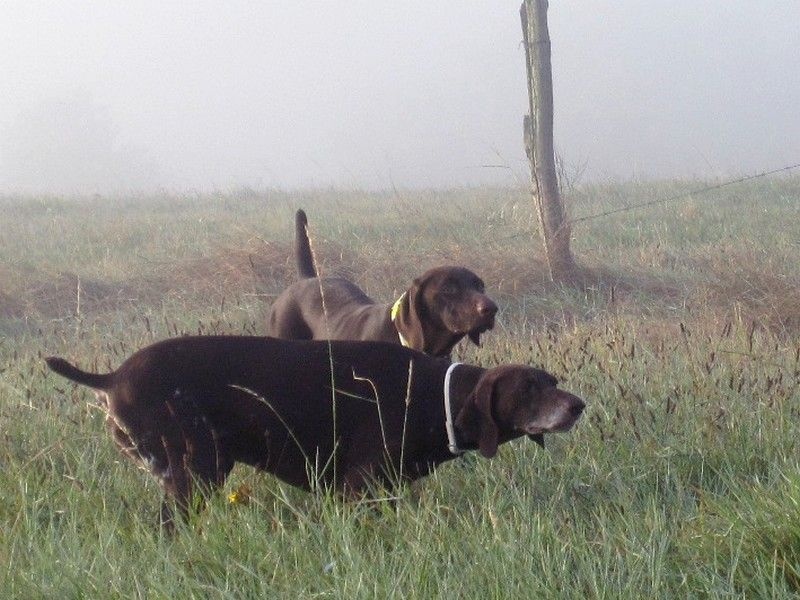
x=175, y=482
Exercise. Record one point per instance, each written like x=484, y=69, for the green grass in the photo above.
x=681, y=480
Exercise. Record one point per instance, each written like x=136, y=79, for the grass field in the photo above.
x=681, y=480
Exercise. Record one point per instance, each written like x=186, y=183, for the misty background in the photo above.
x=120, y=96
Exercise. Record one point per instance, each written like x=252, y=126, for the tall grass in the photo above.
x=680, y=480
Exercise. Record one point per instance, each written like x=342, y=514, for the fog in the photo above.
x=120, y=96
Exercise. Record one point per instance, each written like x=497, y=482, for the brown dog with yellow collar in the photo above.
x=442, y=306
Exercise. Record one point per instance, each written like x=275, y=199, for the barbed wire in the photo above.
x=685, y=194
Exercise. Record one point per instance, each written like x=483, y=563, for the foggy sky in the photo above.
x=117, y=96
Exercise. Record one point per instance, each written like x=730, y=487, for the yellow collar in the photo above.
x=393, y=313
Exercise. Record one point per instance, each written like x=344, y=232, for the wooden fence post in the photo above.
x=538, y=132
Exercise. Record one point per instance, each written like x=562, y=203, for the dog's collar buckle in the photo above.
x=395, y=310
x=452, y=445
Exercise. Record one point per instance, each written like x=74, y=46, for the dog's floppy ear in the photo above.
x=409, y=317
x=475, y=338
x=476, y=419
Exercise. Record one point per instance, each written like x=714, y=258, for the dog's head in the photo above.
x=450, y=301
x=514, y=400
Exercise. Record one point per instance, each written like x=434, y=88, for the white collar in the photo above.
x=448, y=423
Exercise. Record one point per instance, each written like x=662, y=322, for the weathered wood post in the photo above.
x=538, y=132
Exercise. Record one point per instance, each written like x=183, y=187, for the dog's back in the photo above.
x=241, y=387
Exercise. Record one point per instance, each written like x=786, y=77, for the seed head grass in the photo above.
x=682, y=333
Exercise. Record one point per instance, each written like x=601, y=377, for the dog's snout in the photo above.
x=486, y=308
x=576, y=408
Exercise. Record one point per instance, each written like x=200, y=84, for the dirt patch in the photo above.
x=264, y=268
x=11, y=307
x=755, y=290
x=69, y=294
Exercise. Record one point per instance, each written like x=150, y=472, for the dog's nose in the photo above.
x=487, y=308
x=576, y=408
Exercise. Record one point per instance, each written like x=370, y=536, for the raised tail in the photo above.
x=302, y=247
x=96, y=381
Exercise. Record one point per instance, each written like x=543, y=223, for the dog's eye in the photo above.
x=541, y=381
x=546, y=380
x=449, y=288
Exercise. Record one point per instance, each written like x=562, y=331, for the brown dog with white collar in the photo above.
x=344, y=415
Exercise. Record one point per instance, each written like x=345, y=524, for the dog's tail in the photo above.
x=96, y=381
x=302, y=247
